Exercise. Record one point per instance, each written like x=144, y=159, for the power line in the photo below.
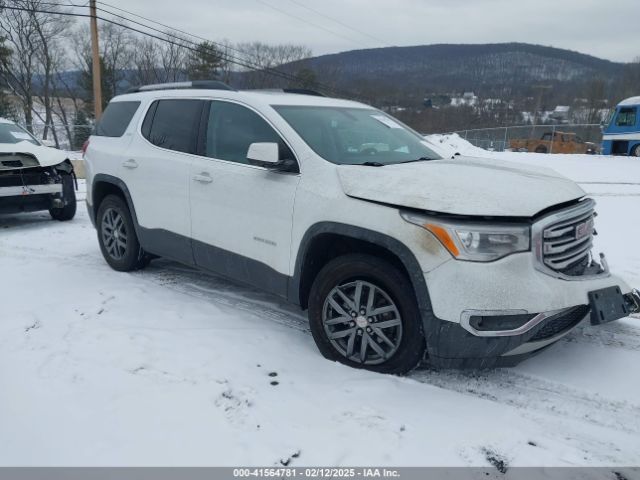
x=220, y=45
x=339, y=22
x=228, y=57
x=252, y=66
x=182, y=43
x=304, y=20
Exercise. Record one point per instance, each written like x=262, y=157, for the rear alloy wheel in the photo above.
x=114, y=234
x=636, y=151
x=117, y=236
x=363, y=313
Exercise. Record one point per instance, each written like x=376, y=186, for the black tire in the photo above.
x=368, y=270
x=131, y=256
x=541, y=149
x=67, y=212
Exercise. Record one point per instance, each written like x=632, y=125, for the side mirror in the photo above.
x=264, y=154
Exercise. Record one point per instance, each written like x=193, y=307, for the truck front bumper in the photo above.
x=498, y=313
x=30, y=198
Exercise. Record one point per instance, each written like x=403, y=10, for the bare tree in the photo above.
x=156, y=61
x=227, y=56
x=116, y=56
x=34, y=38
x=173, y=58
x=631, y=78
x=263, y=57
x=595, y=97
x=146, y=55
x=19, y=68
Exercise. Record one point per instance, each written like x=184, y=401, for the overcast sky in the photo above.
x=604, y=28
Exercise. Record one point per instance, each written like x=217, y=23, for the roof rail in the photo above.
x=303, y=91
x=297, y=91
x=194, y=84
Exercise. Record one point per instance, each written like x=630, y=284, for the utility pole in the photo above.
x=95, y=50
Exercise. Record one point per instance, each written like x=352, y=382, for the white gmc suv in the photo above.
x=396, y=252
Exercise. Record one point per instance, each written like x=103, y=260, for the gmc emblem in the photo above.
x=584, y=229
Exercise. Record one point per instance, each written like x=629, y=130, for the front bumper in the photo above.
x=30, y=198
x=538, y=310
x=451, y=346
x=25, y=190
x=510, y=284
x=33, y=189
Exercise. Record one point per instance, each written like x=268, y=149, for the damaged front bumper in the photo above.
x=633, y=301
x=32, y=189
x=483, y=329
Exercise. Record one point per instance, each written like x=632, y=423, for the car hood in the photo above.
x=15, y=156
x=461, y=186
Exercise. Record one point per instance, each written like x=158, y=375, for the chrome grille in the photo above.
x=563, y=240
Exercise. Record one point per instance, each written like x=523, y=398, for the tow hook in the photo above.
x=633, y=301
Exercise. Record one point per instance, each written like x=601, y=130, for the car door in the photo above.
x=241, y=214
x=156, y=170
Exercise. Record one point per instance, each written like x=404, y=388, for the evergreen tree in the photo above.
x=81, y=130
x=86, y=84
x=204, y=62
x=306, y=79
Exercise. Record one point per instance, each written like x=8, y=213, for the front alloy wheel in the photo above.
x=362, y=322
x=363, y=312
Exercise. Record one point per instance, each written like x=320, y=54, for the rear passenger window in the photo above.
x=232, y=128
x=173, y=124
x=116, y=119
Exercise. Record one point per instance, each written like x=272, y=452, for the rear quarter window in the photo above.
x=173, y=124
x=116, y=119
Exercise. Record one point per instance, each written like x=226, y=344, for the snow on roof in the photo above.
x=562, y=109
x=630, y=101
x=6, y=120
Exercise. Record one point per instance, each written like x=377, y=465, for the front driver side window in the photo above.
x=626, y=117
x=232, y=128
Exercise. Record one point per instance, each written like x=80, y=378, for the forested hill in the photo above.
x=488, y=68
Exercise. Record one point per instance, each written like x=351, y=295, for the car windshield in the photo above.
x=356, y=136
x=12, y=133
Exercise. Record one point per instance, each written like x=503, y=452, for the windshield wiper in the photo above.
x=421, y=159
x=371, y=164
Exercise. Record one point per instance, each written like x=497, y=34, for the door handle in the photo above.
x=131, y=163
x=204, y=177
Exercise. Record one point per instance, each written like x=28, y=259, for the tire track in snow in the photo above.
x=225, y=292
x=615, y=335
x=530, y=393
x=501, y=386
x=220, y=291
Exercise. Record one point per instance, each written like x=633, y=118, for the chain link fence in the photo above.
x=536, y=138
x=518, y=137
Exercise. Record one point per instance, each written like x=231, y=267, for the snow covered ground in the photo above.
x=169, y=366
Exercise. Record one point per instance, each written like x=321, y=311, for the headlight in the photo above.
x=475, y=241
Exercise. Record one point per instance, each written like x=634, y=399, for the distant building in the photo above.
x=467, y=99
x=561, y=114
